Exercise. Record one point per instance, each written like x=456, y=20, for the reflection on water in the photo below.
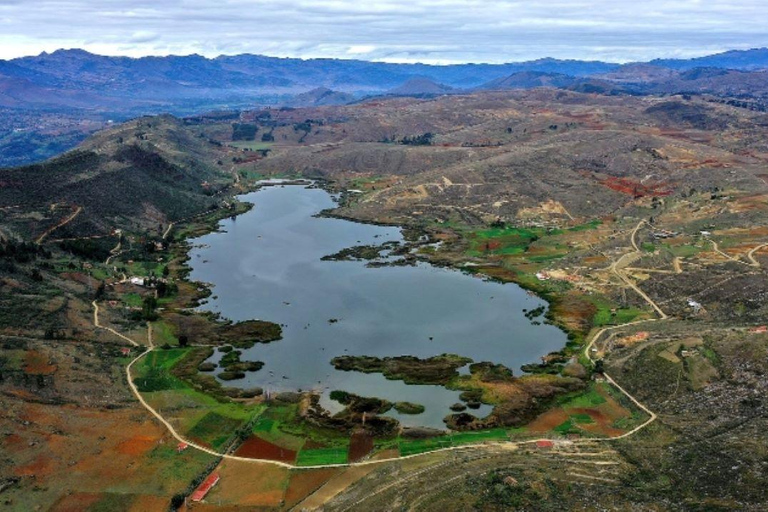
x=265, y=264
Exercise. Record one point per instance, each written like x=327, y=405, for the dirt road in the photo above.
x=60, y=224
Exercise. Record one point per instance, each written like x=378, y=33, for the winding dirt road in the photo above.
x=511, y=444
x=630, y=256
x=60, y=224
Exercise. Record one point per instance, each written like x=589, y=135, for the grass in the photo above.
x=202, y=416
x=587, y=399
x=264, y=425
x=582, y=418
x=320, y=456
x=269, y=430
x=620, y=316
x=423, y=445
x=711, y=356
x=684, y=251
x=162, y=333
x=215, y=429
x=133, y=300
x=608, y=315
x=518, y=241
x=251, y=144
x=412, y=447
x=593, y=224
x=287, y=421
x=505, y=241
x=164, y=359
x=566, y=427
x=152, y=373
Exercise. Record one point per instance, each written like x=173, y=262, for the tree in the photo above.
x=177, y=501
x=183, y=340
x=100, y=290
x=599, y=366
x=148, y=307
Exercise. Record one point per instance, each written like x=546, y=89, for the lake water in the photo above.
x=266, y=264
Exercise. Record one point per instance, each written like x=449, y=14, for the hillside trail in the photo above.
x=751, y=255
x=735, y=259
x=168, y=230
x=633, y=256
x=115, y=251
x=59, y=225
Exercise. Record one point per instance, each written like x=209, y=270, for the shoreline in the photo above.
x=424, y=237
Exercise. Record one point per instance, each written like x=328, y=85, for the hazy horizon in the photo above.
x=349, y=58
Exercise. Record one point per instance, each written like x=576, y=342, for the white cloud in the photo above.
x=143, y=36
x=389, y=30
x=360, y=49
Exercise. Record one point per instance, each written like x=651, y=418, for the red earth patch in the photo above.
x=257, y=448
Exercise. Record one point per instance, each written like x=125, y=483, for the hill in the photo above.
x=74, y=84
x=142, y=174
x=420, y=86
x=320, y=96
x=756, y=58
x=529, y=80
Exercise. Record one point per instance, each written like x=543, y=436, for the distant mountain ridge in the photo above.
x=67, y=86
x=421, y=86
x=80, y=79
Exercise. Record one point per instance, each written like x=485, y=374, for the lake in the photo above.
x=266, y=264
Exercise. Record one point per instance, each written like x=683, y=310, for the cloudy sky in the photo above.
x=435, y=31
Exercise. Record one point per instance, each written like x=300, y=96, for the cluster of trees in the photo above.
x=244, y=131
x=425, y=139
x=93, y=249
x=20, y=251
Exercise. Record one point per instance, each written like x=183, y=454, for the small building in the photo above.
x=125, y=351
x=204, y=488
x=181, y=447
x=545, y=444
x=696, y=306
x=138, y=281
x=759, y=329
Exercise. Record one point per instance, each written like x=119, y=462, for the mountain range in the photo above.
x=52, y=101
x=79, y=79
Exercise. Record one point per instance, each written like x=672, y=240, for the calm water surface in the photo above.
x=265, y=264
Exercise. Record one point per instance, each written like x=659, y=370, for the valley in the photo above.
x=640, y=221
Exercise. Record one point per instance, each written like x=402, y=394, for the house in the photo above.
x=125, y=351
x=203, y=489
x=181, y=447
x=545, y=443
x=695, y=305
x=138, y=281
